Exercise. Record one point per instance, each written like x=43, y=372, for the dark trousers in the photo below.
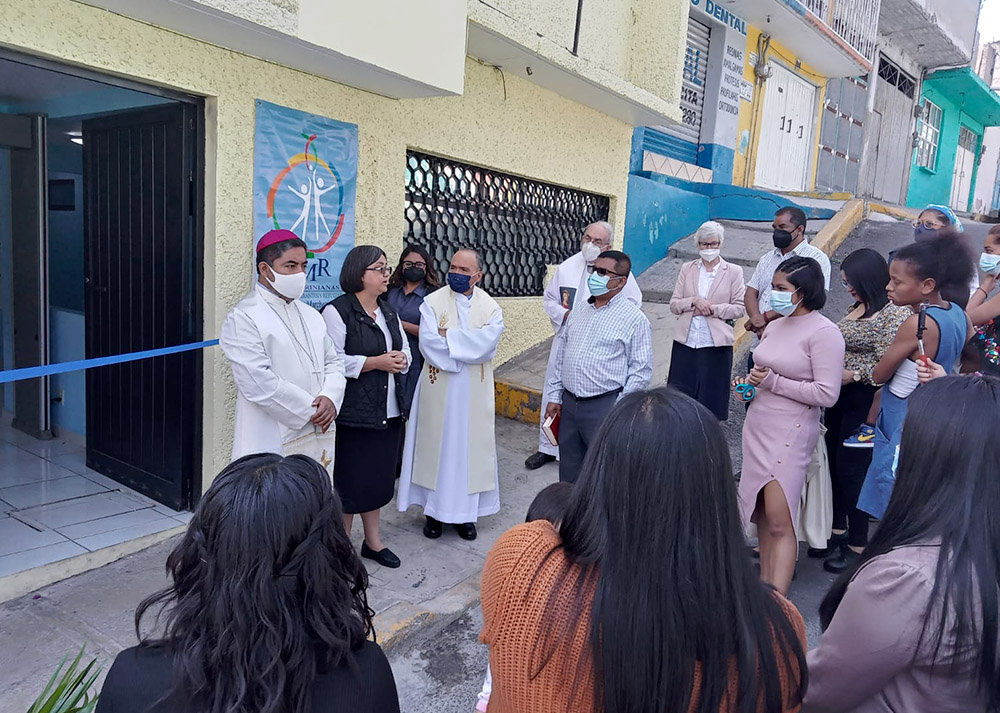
x=704, y=375
x=848, y=466
x=578, y=426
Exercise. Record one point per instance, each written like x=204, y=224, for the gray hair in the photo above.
x=710, y=229
x=479, y=258
x=606, y=227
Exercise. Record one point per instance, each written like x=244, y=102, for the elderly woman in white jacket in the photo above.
x=708, y=297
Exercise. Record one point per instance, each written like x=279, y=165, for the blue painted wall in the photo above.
x=719, y=159
x=661, y=210
x=934, y=186
x=657, y=215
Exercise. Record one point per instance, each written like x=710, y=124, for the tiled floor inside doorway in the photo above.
x=52, y=506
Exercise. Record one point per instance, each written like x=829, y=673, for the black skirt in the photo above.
x=364, y=468
x=704, y=375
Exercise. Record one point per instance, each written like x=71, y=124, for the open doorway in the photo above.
x=100, y=256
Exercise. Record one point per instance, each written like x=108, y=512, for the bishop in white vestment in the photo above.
x=449, y=458
x=566, y=291
x=289, y=376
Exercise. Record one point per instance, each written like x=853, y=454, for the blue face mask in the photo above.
x=922, y=233
x=990, y=264
x=781, y=302
x=598, y=285
x=459, y=282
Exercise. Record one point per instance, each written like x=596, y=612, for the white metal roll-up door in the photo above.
x=693, y=89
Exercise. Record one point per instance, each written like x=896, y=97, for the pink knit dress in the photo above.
x=806, y=357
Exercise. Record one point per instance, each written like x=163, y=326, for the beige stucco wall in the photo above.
x=532, y=132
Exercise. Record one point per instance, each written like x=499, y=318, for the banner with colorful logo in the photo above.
x=305, y=180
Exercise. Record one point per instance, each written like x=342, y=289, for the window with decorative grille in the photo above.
x=929, y=133
x=518, y=225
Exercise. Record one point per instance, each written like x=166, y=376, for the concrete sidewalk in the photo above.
x=438, y=583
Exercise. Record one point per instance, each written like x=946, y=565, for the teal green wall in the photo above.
x=928, y=187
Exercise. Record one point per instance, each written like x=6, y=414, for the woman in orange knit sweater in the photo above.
x=644, y=600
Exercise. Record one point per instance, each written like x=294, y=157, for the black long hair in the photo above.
x=868, y=274
x=655, y=535
x=948, y=490
x=806, y=276
x=430, y=274
x=267, y=591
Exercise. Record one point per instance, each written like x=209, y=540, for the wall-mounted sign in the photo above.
x=720, y=13
x=746, y=91
x=731, y=88
x=305, y=180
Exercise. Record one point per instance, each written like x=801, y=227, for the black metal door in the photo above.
x=143, y=280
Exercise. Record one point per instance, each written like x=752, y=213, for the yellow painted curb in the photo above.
x=517, y=402
x=840, y=226
x=894, y=211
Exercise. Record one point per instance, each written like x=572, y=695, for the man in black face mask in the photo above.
x=789, y=237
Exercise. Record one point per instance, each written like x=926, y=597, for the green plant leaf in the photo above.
x=69, y=688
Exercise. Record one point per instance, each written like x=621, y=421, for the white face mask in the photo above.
x=709, y=255
x=288, y=286
x=590, y=251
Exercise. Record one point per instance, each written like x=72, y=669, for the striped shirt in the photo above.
x=769, y=262
x=602, y=350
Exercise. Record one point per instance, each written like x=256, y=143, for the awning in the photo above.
x=967, y=90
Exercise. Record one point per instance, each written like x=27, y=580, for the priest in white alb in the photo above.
x=450, y=455
x=289, y=375
x=566, y=290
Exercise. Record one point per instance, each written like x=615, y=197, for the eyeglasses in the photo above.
x=710, y=246
x=385, y=271
x=407, y=264
x=928, y=225
x=602, y=272
x=594, y=241
x=846, y=284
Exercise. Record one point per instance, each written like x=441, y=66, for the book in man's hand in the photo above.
x=550, y=427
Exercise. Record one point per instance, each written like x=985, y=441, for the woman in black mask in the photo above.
x=413, y=279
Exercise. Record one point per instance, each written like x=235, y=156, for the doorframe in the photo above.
x=193, y=489
x=811, y=156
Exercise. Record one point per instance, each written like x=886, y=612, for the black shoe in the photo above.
x=537, y=460
x=833, y=545
x=842, y=561
x=467, y=531
x=384, y=557
x=432, y=528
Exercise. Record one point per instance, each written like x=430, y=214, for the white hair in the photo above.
x=710, y=229
x=606, y=227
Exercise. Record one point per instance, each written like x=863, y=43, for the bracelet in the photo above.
x=985, y=293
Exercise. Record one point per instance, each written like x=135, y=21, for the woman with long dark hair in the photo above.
x=413, y=279
x=369, y=333
x=266, y=612
x=869, y=328
x=644, y=598
x=913, y=625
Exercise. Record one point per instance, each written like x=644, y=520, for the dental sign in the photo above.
x=718, y=12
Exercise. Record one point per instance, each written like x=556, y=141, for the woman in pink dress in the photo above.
x=798, y=368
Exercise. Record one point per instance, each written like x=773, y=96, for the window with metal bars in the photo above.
x=890, y=72
x=518, y=225
x=928, y=136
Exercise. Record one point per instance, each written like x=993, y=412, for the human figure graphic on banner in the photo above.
x=306, y=196
x=318, y=192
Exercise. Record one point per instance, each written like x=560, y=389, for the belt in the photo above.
x=614, y=392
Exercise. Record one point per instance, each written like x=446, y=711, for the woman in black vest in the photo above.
x=370, y=423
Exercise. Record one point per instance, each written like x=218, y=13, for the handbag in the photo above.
x=816, y=502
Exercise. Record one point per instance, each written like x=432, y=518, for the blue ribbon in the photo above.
x=33, y=372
